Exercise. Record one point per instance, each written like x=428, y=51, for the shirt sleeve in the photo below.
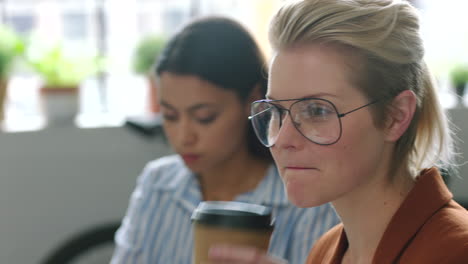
x=314, y=222
x=129, y=237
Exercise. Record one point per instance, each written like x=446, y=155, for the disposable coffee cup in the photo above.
x=230, y=223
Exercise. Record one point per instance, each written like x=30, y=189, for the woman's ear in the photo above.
x=400, y=115
x=255, y=94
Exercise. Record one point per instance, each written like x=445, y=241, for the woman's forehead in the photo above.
x=187, y=91
x=313, y=70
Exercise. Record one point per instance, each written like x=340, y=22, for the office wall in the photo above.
x=459, y=185
x=59, y=181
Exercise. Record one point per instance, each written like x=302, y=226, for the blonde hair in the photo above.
x=385, y=34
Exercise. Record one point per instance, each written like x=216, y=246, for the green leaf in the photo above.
x=146, y=53
x=12, y=47
x=459, y=74
x=58, y=69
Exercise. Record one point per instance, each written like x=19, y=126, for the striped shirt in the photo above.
x=157, y=225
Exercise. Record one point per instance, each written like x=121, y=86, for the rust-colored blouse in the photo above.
x=429, y=227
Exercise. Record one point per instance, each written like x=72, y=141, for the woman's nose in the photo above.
x=288, y=135
x=187, y=134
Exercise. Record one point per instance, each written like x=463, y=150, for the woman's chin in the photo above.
x=297, y=200
x=194, y=168
x=302, y=200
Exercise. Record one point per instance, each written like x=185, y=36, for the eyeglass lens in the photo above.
x=315, y=119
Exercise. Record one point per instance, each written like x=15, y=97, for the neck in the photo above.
x=238, y=174
x=367, y=211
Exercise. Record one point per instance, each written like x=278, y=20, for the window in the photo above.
x=114, y=28
x=446, y=39
x=74, y=26
x=22, y=23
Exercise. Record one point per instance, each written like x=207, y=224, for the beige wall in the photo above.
x=264, y=10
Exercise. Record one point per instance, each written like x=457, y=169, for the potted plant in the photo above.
x=459, y=78
x=11, y=47
x=61, y=76
x=145, y=55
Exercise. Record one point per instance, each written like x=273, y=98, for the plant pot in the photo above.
x=3, y=96
x=60, y=105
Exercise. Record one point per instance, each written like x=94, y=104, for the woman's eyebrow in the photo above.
x=166, y=104
x=317, y=95
x=191, y=108
x=201, y=106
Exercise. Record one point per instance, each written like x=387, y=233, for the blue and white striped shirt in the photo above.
x=157, y=226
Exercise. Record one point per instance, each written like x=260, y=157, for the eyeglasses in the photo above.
x=316, y=119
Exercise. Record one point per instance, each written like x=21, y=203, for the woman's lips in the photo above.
x=190, y=158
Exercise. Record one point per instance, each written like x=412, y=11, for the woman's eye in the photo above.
x=206, y=120
x=169, y=117
x=319, y=111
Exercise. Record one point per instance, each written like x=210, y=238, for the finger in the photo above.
x=245, y=255
x=232, y=253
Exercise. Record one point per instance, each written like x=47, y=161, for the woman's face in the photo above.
x=315, y=174
x=204, y=123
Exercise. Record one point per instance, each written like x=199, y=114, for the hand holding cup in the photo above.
x=234, y=224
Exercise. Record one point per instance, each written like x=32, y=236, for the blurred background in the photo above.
x=77, y=124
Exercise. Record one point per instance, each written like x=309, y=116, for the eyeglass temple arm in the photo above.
x=252, y=116
x=354, y=110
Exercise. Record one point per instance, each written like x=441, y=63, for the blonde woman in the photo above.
x=352, y=117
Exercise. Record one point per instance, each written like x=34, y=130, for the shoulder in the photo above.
x=444, y=237
x=450, y=223
x=325, y=245
x=164, y=172
x=166, y=162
